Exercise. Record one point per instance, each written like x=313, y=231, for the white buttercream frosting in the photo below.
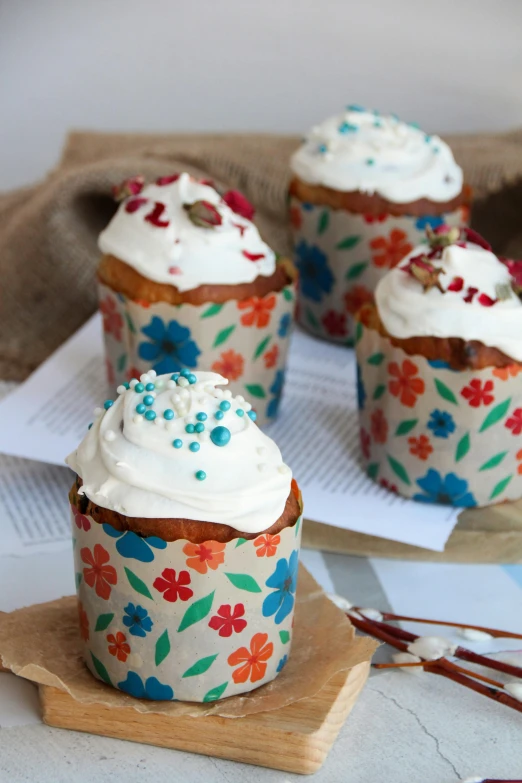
x=140, y=467
x=363, y=151
x=172, y=249
x=406, y=310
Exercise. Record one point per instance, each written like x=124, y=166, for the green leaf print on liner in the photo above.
x=261, y=347
x=197, y=611
x=494, y=461
x=358, y=332
x=103, y=621
x=212, y=310
x=348, y=243
x=500, y=487
x=101, y=670
x=462, y=447
x=223, y=335
x=162, y=647
x=297, y=525
x=130, y=323
x=201, y=666
x=137, y=584
x=78, y=579
x=240, y=542
x=284, y=636
x=255, y=390
x=372, y=470
x=445, y=392
x=406, y=426
x=215, y=693
x=356, y=270
x=122, y=361
x=322, y=224
x=497, y=413
x=312, y=320
x=376, y=359
x=244, y=582
x=288, y=295
x=399, y=470
x=379, y=391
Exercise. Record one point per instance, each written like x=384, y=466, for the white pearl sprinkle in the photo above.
x=171, y=384
x=218, y=393
x=170, y=425
x=175, y=398
x=182, y=381
x=262, y=467
x=261, y=450
x=160, y=383
x=247, y=406
x=110, y=435
x=138, y=419
x=144, y=378
x=152, y=394
x=121, y=389
x=122, y=465
x=283, y=469
x=152, y=373
x=227, y=394
x=185, y=393
x=190, y=420
x=133, y=383
x=98, y=411
x=159, y=422
x=204, y=436
x=240, y=399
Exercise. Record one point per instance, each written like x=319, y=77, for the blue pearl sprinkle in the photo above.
x=322, y=148
x=174, y=376
x=185, y=373
x=140, y=408
x=240, y=412
x=427, y=138
x=377, y=124
x=139, y=388
x=150, y=387
x=150, y=415
x=194, y=446
x=225, y=405
x=127, y=385
x=436, y=150
x=347, y=127
x=178, y=443
x=355, y=107
x=90, y=425
x=370, y=161
x=201, y=416
x=190, y=429
x=219, y=415
x=108, y=404
x=253, y=415
x=199, y=427
x=220, y=436
x=148, y=399
x=168, y=414
x=191, y=378
x=201, y=475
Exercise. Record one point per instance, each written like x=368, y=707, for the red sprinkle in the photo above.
x=486, y=301
x=476, y=238
x=253, y=256
x=167, y=180
x=239, y=204
x=154, y=216
x=133, y=204
x=471, y=293
x=241, y=228
x=457, y=284
x=174, y=270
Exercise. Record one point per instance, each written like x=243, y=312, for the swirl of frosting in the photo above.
x=363, y=151
x=158, y=233
x=475, y=300
x=175, y=446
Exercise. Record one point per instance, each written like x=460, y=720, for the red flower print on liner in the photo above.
x=239, y=204
x=230, y=365
x=133, y=372
x=260, y=310
x=478, y=393
x=154, y=217
x=389, y=486
x=405, y=384
x=356, y=297
x=201, y=557
x=227, y=621
x=118, y=645
x=133, y=204
x=389, y=251
x=173, y=588
x=270, y=358
x=98, y=573
x=379, y=426
x=375, y=218
x=253, y=256
x=514, y=423
x=168, y=180
x=81, y=521
x=267, y=545
x=84, y=622
x=296, y=219
x=365, y=443
x=252, y=662
x=335, y=323
x=112, y=320
x=420, y=447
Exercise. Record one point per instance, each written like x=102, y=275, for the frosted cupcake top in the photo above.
x=183, y=232
x=178, y=446
x=363, y=151
x=453, y=287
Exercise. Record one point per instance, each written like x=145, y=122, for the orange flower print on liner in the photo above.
x=271, y=357
x=356, y=297
x=267, y=545
x=98, y=573
x=379, y=426
x=296, y=219
x=519, y=459
x=505, y=373
x=420, y=447
x=133, y=372
x=230, y=365
x=391, y=250
x=259, y=310
x=366, y=443
x=405, y=383
x=112, y=320
x=253, y=661
x=118, y=646
x=84, y=622
x=201, y=557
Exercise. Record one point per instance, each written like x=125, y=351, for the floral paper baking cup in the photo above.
x=176, y=620
x=438, y=435
x=245, y=341
x=341, y=256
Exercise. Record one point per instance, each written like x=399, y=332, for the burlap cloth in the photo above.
x=48, y=232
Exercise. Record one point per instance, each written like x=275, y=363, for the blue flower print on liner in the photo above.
x=282, y=663
x=284, y=325
x=284, y=580
x=137, y=620
x=153, y=688
x=441, y=424
x=276, y=389
x=131, y=545
x=171, y=348
x=307, y=206
x=428, y=220
x=439, y=364
x=315, y=277
x=361, y=391
x=450, y=490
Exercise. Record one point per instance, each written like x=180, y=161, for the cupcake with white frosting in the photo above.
x=186, y=281
x=186, y=527
x=363, y=191
x=440, y=384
